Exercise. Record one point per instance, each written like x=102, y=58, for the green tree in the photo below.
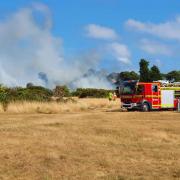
x=126, y=75
x=155, y=73
x=173, y=76
x=144, y=71
x=61, y=91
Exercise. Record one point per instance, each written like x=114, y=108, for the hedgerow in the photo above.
x=34, y=93
x=41, y=94
x=93, y=93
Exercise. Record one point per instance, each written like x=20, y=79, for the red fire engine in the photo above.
x=149, y=96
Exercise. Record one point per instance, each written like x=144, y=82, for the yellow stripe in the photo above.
x=164, y=105
x=126, y=96
x=153, y=96
x=167, y=105
x=138, y=96
x=171, y=88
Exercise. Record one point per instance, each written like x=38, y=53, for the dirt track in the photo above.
x=90, y=145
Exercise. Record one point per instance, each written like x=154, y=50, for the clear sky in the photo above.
x=121, y=31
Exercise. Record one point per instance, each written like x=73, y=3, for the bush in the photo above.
x=93, y=93
x=34, y=93
x=61, y=91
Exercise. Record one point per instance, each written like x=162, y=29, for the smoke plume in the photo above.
x=29, y=52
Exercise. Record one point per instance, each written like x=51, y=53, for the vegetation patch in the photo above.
x=93, y=93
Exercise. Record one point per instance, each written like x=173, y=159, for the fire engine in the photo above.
x=149, y=96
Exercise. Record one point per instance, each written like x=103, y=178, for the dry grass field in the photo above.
x=91, y=144
x=74, y=105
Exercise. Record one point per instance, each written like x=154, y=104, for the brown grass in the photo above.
x=92, y=144
x=54, y=107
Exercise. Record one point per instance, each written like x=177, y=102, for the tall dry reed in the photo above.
x=59, y=107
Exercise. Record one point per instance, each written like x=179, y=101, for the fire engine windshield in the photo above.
x=128, y=88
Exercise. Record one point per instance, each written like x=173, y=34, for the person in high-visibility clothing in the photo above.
x=110, y=96
x=114, y=96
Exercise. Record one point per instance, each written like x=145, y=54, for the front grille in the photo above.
x=127, y=102
x=126, y=105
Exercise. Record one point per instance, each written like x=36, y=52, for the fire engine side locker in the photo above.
x=167, y=98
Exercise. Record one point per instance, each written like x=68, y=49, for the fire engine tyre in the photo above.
x=145, y=107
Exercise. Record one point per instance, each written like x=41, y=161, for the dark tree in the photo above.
x=126, y=75
x=155, y=73
x=173, y=76
x=144, y=71
x=28, y=85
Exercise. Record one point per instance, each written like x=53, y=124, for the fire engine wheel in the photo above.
x=145, y=107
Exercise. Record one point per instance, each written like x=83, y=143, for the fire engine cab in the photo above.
x=149, y=96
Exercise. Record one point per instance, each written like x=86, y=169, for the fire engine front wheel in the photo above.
x=145, y=107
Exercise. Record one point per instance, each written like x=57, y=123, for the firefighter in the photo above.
x=114, y=96
x=110, y=96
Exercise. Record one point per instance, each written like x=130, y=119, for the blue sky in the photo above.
x=132, y=29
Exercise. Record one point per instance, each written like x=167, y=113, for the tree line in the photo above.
x=147, y=74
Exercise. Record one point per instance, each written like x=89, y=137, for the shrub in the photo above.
x=37, y=93
x=34, y=93
x=93, y=93
x=61, y=91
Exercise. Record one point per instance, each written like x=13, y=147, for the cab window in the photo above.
x=128, y=88
x=140, y=89
x=154, y=88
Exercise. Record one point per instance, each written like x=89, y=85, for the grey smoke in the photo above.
x=28, y=48
x=43, y=77
x=92, y=79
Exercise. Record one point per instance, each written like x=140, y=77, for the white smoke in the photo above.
x=93, y=79
x=92, y=82
x=27, y=48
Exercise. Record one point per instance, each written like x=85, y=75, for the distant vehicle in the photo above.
x=149, y=96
